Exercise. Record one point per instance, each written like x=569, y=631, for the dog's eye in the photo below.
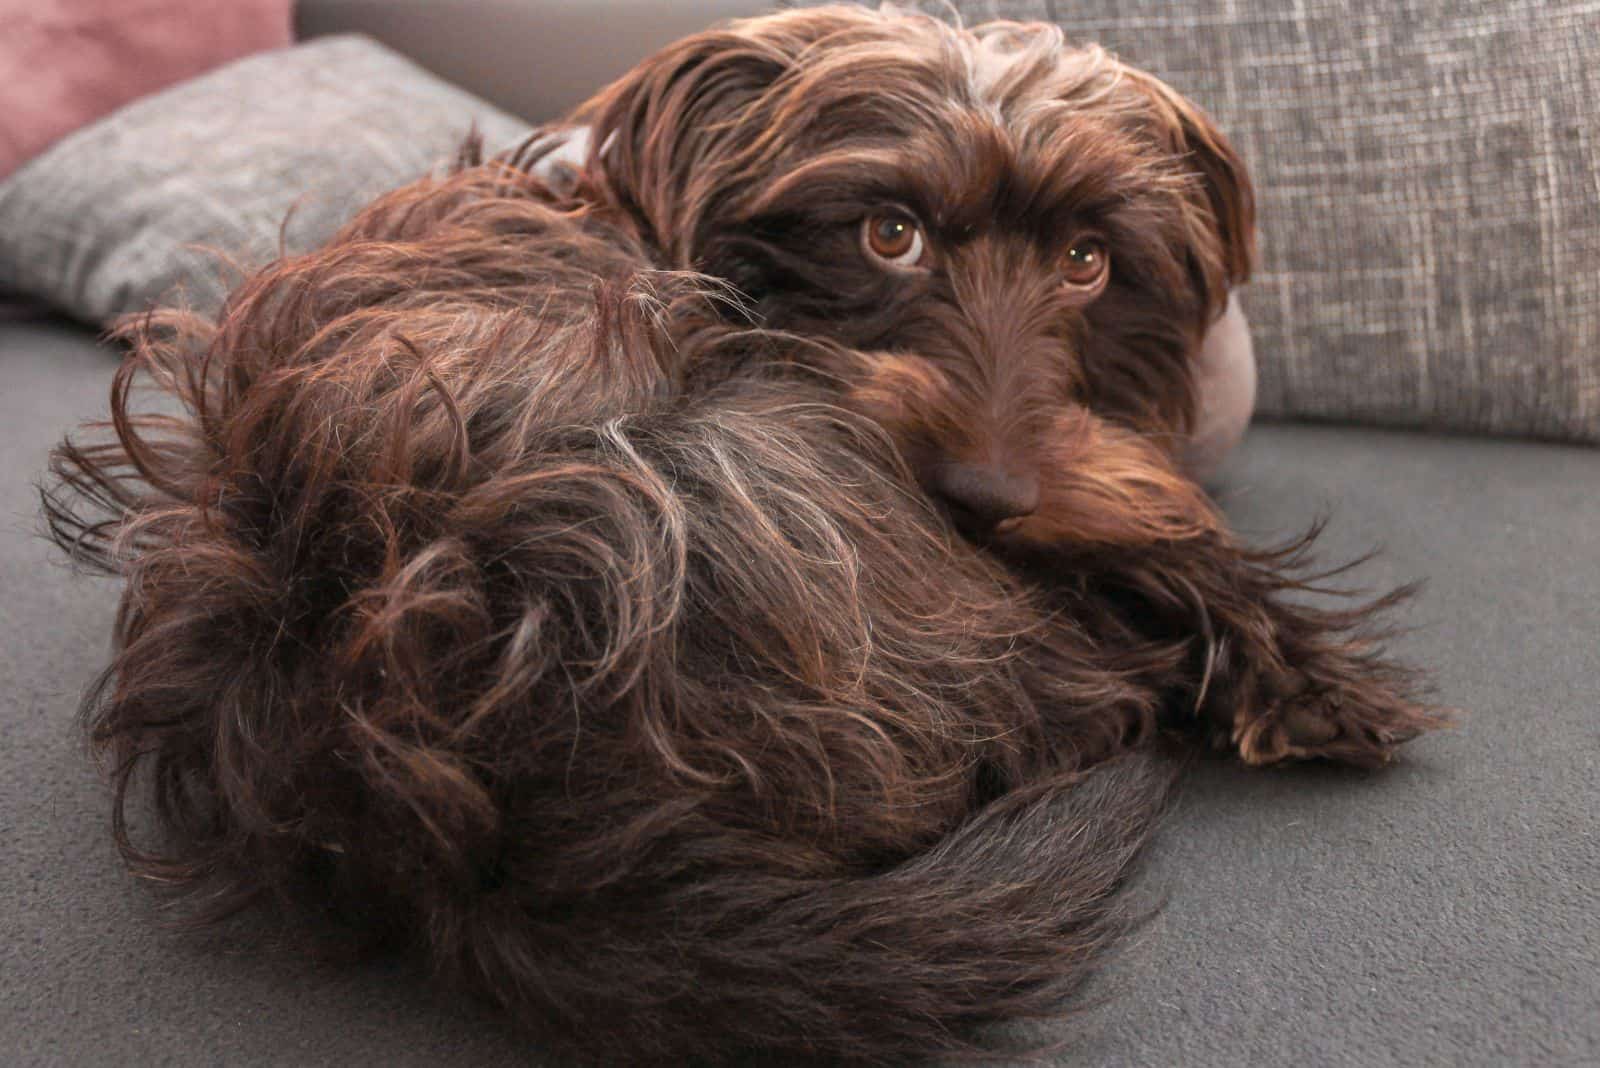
x=895, y=239
x=1086, y=263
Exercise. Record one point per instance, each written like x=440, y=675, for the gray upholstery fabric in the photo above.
x=115, y=216
x=1429, y=183
x=1438, y=913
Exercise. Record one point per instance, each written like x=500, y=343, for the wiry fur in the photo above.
x=499, y=591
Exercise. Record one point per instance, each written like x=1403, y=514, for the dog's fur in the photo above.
x=547, y=580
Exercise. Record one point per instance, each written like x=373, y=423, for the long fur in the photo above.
x=547, y=583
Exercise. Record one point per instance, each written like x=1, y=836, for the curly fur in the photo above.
x=499, y=590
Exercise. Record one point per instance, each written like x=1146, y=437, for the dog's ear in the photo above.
x=668, y=134
x=653, y=130
x=1225, y=223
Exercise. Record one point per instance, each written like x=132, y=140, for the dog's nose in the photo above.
x=981, y=496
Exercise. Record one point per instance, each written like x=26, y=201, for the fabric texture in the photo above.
x=1441, y=912
x=288, y=144
x=1428, y=176
x=67, y=62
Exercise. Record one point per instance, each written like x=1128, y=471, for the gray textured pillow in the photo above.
x=121, y=214
x=1428, y=175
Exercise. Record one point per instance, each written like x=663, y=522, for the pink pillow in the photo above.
x=65, y=63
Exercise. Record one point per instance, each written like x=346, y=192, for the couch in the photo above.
x=1442, y=911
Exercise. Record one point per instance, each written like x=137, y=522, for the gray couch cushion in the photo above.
x=1430, y=213
x=133, y=208
x=1441, y=912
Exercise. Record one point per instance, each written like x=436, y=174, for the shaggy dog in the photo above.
x=727, y=602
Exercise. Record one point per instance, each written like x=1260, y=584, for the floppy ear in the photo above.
x=1224, y=223
x=667, y=134
x=656, y=128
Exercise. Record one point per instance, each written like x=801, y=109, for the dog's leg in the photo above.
x=1148, y=560
x=1272, y=677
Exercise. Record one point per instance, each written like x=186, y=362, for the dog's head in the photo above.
x=1013, y=240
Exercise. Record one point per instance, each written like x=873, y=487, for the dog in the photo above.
x=742, y=599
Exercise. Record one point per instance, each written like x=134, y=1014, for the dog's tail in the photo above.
x=1002, y=920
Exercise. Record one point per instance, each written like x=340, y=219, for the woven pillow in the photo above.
x=131, y=210
x=1428, y=179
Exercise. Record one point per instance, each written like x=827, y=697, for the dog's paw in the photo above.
x=1363, y=727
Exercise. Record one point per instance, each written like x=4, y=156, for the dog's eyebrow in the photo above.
x=945, y=171
x=840, y=168
x=1069, y=163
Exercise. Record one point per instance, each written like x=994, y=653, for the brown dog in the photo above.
x=512, y=592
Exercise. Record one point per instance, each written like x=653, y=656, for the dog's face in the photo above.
x=1016, y=245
